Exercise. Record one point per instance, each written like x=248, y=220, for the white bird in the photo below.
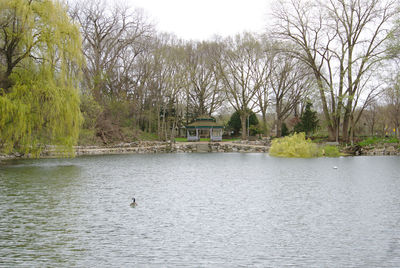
x=335, y=167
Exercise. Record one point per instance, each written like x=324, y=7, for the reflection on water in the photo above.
x=201, y=210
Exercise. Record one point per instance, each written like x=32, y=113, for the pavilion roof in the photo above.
x=204, y=122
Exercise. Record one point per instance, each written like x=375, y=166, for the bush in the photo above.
x=90, y=110
x=284, y=130
x=330, y=151
x=295, y=145
x=88, y=137
x=235, y=123
x=308, y=121
x=254, y=130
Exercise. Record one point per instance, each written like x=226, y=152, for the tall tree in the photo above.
x=342, y=41
x=204, y=91
x=239, y=71
x=392, y=98
x=290, y=81
x=40, y=56
x=115, y=38
x=265, y=69
x=111, y=36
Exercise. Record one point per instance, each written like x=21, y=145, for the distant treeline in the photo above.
x=103, y=72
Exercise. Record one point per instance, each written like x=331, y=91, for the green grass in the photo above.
x=330, y=151
x=146, y=136
x=377, y=140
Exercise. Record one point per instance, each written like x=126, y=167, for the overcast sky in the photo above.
x=201, y=19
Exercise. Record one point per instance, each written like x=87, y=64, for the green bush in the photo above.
x=295, y=145
x=88, y=137
x=330, y=151
x=91, y=110
x=284, y=130
x=254, y=130
x=235, y=123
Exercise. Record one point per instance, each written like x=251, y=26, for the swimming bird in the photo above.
x=133, y=204
x=335, y=167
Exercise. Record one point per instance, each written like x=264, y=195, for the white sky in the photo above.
x=201, y=19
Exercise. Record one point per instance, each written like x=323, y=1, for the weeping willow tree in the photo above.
x=40, y=57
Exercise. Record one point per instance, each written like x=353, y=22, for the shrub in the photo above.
x=88, y=137
x=284, y=130
x=308, y=121
x=295, y=145
x=330, y=151
x=235, y=123
x=254, y=130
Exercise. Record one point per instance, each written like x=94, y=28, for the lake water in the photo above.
x=200, y=210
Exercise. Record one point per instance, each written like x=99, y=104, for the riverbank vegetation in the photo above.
x=298, y=146
x=40, y=56
x=101, y=73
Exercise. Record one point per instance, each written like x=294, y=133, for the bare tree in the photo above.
x=111, y=36
x=341, y=41
x=239, y=71
x=392, y=99
x=264, y=71
x=289, y=81
x=371, y=117
x=169, y=80
x=204, y=92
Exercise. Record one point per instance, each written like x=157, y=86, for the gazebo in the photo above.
x=204, y=127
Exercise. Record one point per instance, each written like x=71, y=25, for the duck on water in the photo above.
x=133, y=204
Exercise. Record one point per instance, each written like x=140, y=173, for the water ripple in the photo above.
x=200, y=210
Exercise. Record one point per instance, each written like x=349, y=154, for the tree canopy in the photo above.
x=40, y=52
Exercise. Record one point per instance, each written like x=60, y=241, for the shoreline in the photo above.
x=154, y=147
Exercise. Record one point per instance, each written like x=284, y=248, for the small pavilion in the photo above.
x=204, y=127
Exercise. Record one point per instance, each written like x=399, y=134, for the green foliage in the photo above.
x=235, y=123
x=330, y=151
x=149, y=136
x=284, y=130
x=39, y=100
x=377, y=140
x=88, y=137
x=255, y=129
x=91, y=111
x=295, y=145
x=308, y=121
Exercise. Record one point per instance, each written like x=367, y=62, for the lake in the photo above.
x=200, y=210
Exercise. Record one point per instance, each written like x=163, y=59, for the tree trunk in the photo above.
x=278, y=127
x=243, y=119
x=346, y=121
x=352, y=126
x=331, y=125
x=264, y=121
